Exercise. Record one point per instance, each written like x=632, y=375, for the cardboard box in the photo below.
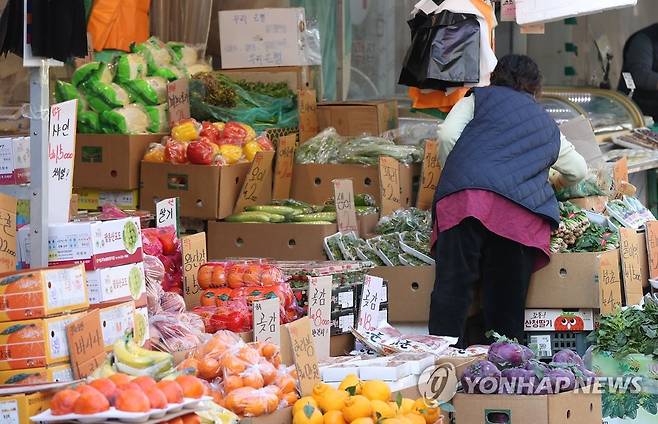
x=280, y=416
x=110, y=161
x=53, y=374
x=278, y=241
x=96, y=244
x=358, y=118
x=558, y=320
x=592, y=203
x=313, y=183
x=40, y=293
x=17, y=409
x=116, y=321
x=206, y=192
x=367, y=224
x=92, y=199
x=571, y=280
x=14, y=160
x=117, y=282
x=569, y=407
x=407, y=285
x=341, y=345
x=262, y=37
x=34, y=343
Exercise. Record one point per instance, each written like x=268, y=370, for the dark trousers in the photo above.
x=470, y=256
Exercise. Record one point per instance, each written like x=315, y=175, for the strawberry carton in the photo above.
x=559, y=320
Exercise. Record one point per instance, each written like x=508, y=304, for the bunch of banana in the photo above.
x=131, y=359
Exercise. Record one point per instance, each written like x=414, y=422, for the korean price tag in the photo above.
x=178, y=100
x=345, y=209
x=194, y=255
x=8, y=206
x=267, y=321
x=303, y=350
x=632, y=248
x=430, y=176
x=166, y=213
x=319, y=311
x=61, y=151
x=285, y=157
x=86, y=346
x=389, y=185
x=371, y=298
x=255, y=189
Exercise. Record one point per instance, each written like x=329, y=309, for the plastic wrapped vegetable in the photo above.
x=168, y=72
x=186, y=130
x=148, y=91
x=65, y=91
x=175, y=152
x=323, y=148
x=174, y=332
x=113, y=95
x=131, y=119
x=184, y=54
x=92, y=71
x=154, y=51
x=367, y=150
x=130, y=67
x=88, y=122
x=411, y=219
x=198, y=68
x=158, y=118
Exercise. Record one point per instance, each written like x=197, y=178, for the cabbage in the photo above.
x=568, y=356
x=92, y=71
x=148, y=91
x=131, y=119
x=112, y=95
x=505, y=353
x=183, y=53
x=130, y=67
x=88, y=122
x=482, y=376
x=168, y=72
x=158, y=117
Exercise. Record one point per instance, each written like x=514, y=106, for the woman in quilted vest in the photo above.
x=494, y=205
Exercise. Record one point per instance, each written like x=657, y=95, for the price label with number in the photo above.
x=194, y=255
x=86, y=346
x=345, y=209
x=430, y=176
x=609, y=282
x=178, y=100
x=628, y=80
x=319, y=310
x=389, y=185
x=308, y=116
x=267, y=321
x=303, y=351
x=166, y=213
x=285, y=156
x=255, y=189
x=61, y=152
x=8, y=206
x=371, y=298
x=652, y=248
x=633, y=254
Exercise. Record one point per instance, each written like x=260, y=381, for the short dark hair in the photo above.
x=519, y=72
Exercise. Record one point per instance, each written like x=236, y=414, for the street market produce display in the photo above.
x=577, y=233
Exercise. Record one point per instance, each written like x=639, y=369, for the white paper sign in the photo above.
x=371, y=298
x=532, y=11
x=166, y=213
x=267, y=321
x=262, y=37
x=61, y=151
x=319, y=311
x=628, y=79
x=507, y=11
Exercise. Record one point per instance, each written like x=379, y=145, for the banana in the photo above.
x=155, y=355
x=151, y=371
x=125, y=357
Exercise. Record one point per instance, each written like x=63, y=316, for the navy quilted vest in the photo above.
x=508, y=149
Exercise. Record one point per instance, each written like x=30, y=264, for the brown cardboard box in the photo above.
x=297, y=77
x=563, y=408
x=592, y=203
x=313, y=183
x=110, y=161
x=280, y=416
x=407, y=285
x=357, y=118
x=206, y=192
x=278, y=241
x=571, y=280
x=460, y=363
x=341, y=345
x=367, y=224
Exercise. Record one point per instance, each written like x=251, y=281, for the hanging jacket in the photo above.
x=508, y=148
x=116, y=24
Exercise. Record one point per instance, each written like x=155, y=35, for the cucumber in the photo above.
x=275, y=217
x=314, y=222
x=248, y=217
x=319, y=216
x=278, y=210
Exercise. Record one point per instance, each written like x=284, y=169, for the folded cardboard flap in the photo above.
x=358, y=118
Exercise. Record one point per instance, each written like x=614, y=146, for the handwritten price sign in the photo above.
x=609, y=282
x=8, y=206
x=166, y=213
x=389, y=184
x=303, y=351
x=430, y=176
x=194, y=255
x=285, y=155
x=633, y=262
x=345, y=209
x=61, y=149
x=371, y=298
x=86, y=346
x=254, y=190
x=267, y=321
x=178, y=100
x=319, y=310
x=652, y=247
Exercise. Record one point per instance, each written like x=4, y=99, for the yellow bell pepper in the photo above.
x=251, y=133
x=187, y=130
x=219, y=125
x=231, y=153
x=155, y=154
x=250, y=149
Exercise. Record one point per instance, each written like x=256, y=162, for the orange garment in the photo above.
x=116, y=24
x=438, y=99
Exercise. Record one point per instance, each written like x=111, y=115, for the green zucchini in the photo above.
x=319, y=216
x=278, y=210
x=314, y=222
x=248, y=217
x=275, y=217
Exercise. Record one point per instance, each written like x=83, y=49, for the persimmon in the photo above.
x=106, y=387
x=204, y=276
x=157, y=399
x=120, y=379
x=172, y=391
x=191, y=419
x=90, y=401
x=128, y=386
x=145, y=382
x=207, y=298
x=251, y=277
x=189, y=364
x=25, y=343
x=192, y=386
x=63, y=401
x=218, y=276
x=209, y=368
x=132, y=400
x=83, y=388
x=253, y=378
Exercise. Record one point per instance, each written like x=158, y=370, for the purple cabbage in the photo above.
x=481, y=377
x=561, y=380
x=509, y=354
x=568, y=356
x=517, y=381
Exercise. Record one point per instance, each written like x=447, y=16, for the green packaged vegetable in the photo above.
x=131, y=119
x=65, y=91
x=168, y=72
x=154, y=51
x=150, y=91
x=88, y=122
x=183, y=54
x=158, y=118
x=92, y=71
x=113, y=95
x=130, y=67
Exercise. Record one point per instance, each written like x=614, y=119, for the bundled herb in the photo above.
x=577, y=234
x=272, y=89
x=411, y=219
x=596, y=238
x=628, y=331
x=219, y=90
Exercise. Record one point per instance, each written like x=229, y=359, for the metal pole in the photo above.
x=39, y=114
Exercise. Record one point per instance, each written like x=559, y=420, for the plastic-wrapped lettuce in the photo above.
x=323, y=148
x=198, y=68
x=183, y=54
x=89, y=122
x=159, y=118
x=130, y=67
x=92, y=71
x=155, y=52
x=112, y=95
x=148, y=91
x=65, y=91
x=131, y=119
x=168, y=71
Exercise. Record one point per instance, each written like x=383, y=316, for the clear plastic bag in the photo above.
x=367, y=150
x=598, y=182
x=175, y=332
x=130, y=119
x=323, y=148
x=411, y=219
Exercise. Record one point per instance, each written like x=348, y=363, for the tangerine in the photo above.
x=192, y=386
x=232, y=382
x=268, y=371
x=253, y=378
x=286, y=383
x=209, y=368
x=172, y=391
x=233, y=364
x=290, y=398
x=132, y=400
x=63, y=401
x=90, y=401
x=157, y=399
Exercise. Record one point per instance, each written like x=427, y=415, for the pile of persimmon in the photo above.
x=126, y=394
x=246, y=378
